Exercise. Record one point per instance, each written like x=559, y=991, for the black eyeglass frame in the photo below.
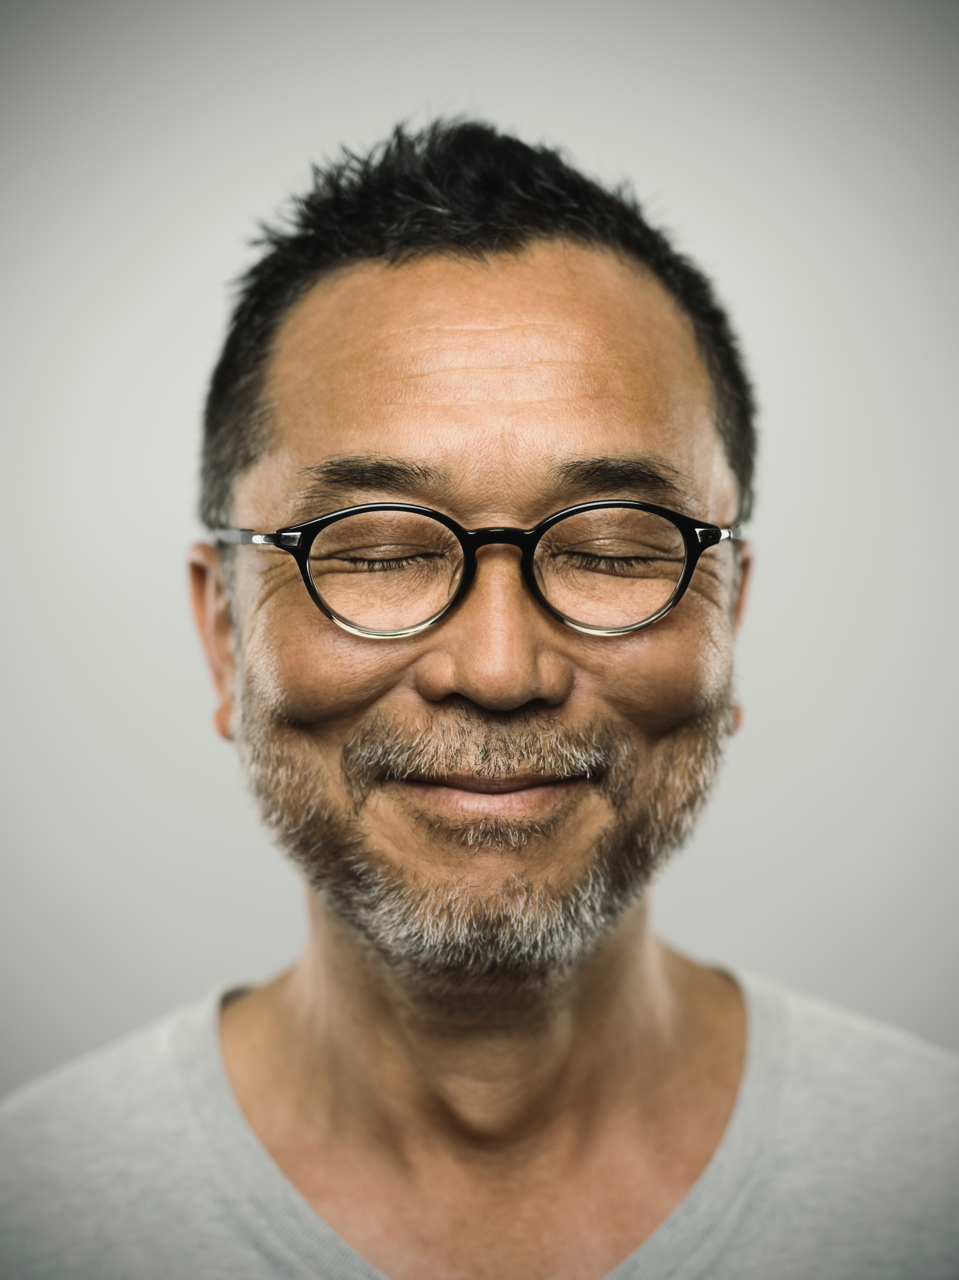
x=298, y=539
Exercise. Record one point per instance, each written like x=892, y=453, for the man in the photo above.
x=477, y=454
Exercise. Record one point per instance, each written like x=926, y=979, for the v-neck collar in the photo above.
x=273, y=1215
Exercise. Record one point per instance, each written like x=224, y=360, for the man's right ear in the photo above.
x=214, y=621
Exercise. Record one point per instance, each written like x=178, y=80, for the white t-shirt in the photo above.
x=840, y=1162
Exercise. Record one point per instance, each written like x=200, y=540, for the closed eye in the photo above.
x=623, y=565
x=373, y=564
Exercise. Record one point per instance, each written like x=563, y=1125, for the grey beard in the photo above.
x=445, y=939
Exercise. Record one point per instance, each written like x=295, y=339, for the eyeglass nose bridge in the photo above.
x=522, y=538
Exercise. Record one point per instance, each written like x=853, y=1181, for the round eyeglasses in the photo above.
x=389, y=569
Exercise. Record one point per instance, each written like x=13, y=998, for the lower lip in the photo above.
x=526, y=802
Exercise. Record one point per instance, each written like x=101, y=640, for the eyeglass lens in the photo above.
x=391, y=570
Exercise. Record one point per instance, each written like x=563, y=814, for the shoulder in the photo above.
x=861, y=1151
x=854, y=1071
x=105, y=1097
x=80, y=1147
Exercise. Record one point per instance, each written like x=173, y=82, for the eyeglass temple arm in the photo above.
x=711, y=536
x=246, y=537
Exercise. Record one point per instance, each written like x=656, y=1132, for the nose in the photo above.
x=498, y=648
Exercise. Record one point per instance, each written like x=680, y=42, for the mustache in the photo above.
x=382, y=750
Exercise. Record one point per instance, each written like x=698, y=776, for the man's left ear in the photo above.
x=214, y=621
x=744, y=558
x=744, y=564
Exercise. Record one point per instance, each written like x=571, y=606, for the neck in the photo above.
x=343, y=1035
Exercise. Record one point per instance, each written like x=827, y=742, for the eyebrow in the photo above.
x=364, y=472
x=647, y=474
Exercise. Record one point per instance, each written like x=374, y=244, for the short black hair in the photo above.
x=457, y=187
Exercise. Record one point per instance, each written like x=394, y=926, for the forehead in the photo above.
x=496, y=372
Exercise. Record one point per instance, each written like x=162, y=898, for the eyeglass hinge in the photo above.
x=272, y=539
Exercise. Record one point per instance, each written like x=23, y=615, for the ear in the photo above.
x=744, y=555
x=214, y=621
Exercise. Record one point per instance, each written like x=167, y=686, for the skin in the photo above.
x=482, y=1143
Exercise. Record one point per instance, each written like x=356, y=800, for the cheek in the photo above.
x=680, y=668
x=307, y=671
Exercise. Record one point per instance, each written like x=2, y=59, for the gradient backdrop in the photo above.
x=804, y=153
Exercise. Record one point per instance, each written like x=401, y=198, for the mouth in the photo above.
x=467, y=795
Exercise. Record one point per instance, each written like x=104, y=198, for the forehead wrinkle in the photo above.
x=418, y=343
x=390, y=378
x=521, y=344
x=588, y=371
x=532, y=382
x=499, y=339
x=415, y=350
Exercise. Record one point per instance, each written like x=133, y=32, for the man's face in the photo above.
x=491, y=761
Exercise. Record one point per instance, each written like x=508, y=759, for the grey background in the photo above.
x=804, y=153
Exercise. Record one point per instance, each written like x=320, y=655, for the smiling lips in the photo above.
x=493, y=786
x=517, y=795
